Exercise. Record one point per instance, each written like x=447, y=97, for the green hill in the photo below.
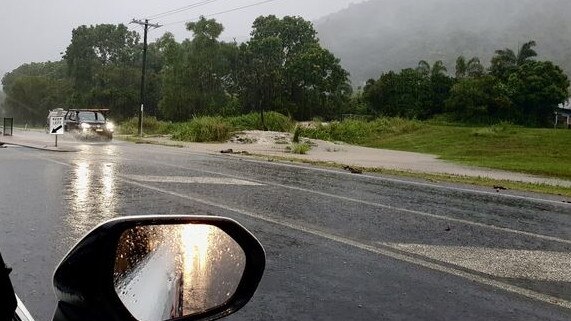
x=381, y=35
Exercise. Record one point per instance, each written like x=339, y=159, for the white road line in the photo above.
x=503, y=263
x=388, y=252
x=388, y=207
x=384, y=252
x=380, y=178
x=191, y=180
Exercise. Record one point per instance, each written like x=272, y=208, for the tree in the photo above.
x=95, y=46
x=103, y=66
x=406, y=94
x=434, y=88
x=461, y=67
x=263, y=62
x=197, y=76
x=536, y=88
x=438, y=69
x=439, y=87
x=412, y=93
x=299, y=76
x=472, y=69
x=207, y=66
x=506, y=61
x=480, y=99
x=33, y=89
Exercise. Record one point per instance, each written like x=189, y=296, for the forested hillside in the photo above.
x=381, y=35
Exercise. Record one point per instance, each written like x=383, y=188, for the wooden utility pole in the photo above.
x=146, y=26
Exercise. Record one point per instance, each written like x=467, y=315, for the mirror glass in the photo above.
x=164, y=272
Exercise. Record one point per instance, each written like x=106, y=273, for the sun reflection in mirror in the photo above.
x=195, y=244
x=171, y=271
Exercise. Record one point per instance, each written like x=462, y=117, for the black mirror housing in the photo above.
x=84, y=285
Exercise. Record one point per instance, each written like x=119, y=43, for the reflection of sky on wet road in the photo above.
x=90, y=191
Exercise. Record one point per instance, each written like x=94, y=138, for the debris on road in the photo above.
x=231, y=151
x=352, y=170
x=499, y=188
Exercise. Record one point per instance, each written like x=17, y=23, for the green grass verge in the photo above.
x=543, y=152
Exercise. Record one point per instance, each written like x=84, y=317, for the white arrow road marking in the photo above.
x=191, y=180
x=504, y=263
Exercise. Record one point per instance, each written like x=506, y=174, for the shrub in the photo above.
x=351, y=131
x=396, y=125
x=358, y=131
x=274, y=122
x=151, y=126
x=203, y=129
x=502, y=129
x=299, y=148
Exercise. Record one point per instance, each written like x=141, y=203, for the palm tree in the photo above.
x=461, y=67
x=526, y=52
x=438, y=69
x=423, y=67
x=505, y=61
x=474, y=68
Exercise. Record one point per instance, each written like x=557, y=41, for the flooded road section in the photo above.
x=339, y=246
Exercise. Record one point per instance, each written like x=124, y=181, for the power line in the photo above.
x=222, y=12
x=181, y=9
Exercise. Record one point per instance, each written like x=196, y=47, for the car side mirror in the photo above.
x=159, y=268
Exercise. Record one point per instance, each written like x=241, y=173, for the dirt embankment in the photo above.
x=279, y=144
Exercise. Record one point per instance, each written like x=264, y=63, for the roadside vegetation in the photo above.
x=151, y=126
x=299, y=148
x=207, y=128
x=494, y=116
x=501, y=146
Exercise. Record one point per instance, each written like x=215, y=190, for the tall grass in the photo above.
x=296, y=148
x=253, y=121
x=209, y=129
x=359, y=131
x=151, y=126
x=502, y=129
x=203, y=129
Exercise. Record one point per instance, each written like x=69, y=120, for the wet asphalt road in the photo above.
x=339, y=246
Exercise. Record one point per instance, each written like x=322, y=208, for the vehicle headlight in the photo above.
x=85, y=126
x=110, y=126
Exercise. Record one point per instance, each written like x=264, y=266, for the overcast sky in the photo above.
x=39, y=30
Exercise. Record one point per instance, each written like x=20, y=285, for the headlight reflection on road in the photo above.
x=107, y=203
x=92, y=195
x=80, y=190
